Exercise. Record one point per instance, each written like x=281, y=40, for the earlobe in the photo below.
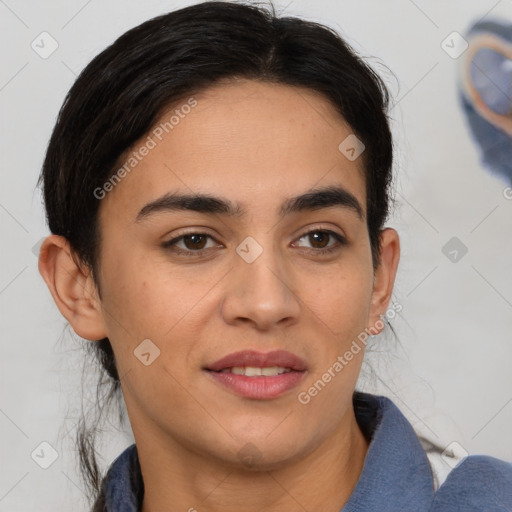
x=72, y=288
x=385, y=274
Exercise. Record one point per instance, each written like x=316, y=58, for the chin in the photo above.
x=257, y=459
x=264, y=452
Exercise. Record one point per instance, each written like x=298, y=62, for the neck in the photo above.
x=178, y=480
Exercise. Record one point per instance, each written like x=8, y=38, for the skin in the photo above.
x=257, y=144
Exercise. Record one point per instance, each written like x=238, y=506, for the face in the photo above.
x=185, y=285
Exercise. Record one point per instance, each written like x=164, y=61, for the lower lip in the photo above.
x=260, y=387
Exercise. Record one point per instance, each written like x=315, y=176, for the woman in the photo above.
x=216, y=186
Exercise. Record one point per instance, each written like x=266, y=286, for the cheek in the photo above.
x=147, y=298
x=340, y=300
x=340, y=313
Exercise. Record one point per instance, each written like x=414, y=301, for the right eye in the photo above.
x=193, y=244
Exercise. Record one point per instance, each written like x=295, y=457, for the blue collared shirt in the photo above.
x=396, y=476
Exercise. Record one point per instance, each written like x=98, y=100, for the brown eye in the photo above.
x=319, y=240
x=193, y=244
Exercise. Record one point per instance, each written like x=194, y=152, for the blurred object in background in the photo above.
x=486, y=84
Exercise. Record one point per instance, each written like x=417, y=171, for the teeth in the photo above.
x=249, y=371
x=252, y=371
x=274, y=370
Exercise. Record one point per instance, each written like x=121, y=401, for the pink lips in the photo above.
x=260, y=387
x=260, y=359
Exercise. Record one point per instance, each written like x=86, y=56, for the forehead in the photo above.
x=252, y=142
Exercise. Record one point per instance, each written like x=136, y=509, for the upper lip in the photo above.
x=259, y=360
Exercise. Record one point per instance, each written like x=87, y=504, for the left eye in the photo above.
x=321, y=237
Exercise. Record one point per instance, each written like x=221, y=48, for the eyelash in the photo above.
x=341, y=241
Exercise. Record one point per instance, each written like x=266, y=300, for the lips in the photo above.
x=241, y=373
x=256, y=359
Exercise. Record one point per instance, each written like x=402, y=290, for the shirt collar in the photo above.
x=396, y=474
x=123, y=488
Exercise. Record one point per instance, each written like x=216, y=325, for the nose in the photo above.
x=261, y=292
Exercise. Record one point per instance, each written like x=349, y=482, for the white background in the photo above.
x=451, y=372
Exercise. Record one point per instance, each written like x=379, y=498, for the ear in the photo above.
x=384, y=278
x=72, y=288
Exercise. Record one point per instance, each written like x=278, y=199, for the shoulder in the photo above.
x=477, y=483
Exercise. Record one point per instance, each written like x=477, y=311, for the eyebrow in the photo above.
x=314, y=199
